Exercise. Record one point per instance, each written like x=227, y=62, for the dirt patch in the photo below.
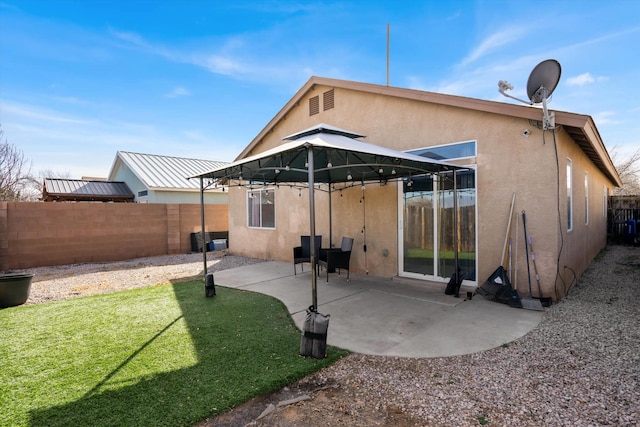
x=319, y=404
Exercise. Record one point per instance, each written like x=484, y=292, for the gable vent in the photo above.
x=327, y=100
x=314, y=105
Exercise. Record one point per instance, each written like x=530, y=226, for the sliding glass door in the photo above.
x=429, y=230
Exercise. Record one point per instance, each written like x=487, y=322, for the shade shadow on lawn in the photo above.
x=192, y=357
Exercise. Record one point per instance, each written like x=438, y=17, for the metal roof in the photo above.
x=56, y=189
x=165, y=172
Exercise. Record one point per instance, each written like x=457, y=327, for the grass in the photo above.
x=428, y=253
x=158, y=356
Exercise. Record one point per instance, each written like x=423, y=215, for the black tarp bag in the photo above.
x=453, y=287
x=498, y=288
x=314, y=334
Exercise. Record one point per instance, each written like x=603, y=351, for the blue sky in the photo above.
x=80, y=80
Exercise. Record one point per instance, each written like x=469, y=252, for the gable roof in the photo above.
x=581, y=128
x=80, y=190
x=159, y=172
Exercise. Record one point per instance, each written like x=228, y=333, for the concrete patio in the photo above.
x=378, y=316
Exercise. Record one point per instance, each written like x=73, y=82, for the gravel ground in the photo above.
x=579, y=367
x=69, y=281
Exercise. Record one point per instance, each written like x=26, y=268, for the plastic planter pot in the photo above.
x=14, y=289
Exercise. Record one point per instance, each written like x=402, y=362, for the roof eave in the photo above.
x=582, y=122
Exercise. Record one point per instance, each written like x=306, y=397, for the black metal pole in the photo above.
x=455, y=222
x=330, y=221
x=204, y=244
x=312, y=227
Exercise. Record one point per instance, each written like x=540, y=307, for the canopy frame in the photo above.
x=323, y=154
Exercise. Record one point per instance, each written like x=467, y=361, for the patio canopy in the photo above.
x=321, y=154
x=338, y=157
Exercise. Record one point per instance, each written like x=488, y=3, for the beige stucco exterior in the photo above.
x=509, y=160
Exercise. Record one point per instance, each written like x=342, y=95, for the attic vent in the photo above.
x=314, y=105
x=327, y=100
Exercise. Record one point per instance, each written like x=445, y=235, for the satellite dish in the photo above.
x=543, y=80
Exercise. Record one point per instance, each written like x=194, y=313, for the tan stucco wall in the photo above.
x=507, y=160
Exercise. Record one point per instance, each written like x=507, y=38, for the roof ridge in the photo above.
x=169, y=156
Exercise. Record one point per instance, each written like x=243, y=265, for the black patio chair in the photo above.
x=336, y=258
x=302, y=253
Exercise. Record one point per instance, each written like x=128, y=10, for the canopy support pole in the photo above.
x=204, y=244
x=312, y=228
x=330, y=221
x=455, y=223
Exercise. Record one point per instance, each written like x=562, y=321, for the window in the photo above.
x=459, y=150
x=586, y=198
x=314, y=105
x=569, y=196
x=604, y=201
x=261, y=208
x=143, y=193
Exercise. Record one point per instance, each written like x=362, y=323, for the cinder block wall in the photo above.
x=38, y=234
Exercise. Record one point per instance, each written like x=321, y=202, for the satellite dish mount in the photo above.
x=542, y=82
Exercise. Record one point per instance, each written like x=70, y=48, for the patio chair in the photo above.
x=336, y=258
x=302, y=253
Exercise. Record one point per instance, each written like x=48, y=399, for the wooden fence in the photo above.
x=620, y=210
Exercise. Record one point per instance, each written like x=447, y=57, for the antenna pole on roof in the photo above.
x=388, y=38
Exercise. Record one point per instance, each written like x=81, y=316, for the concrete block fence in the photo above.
x=34, y=234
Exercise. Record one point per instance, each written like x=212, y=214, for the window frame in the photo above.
x=260, y=192
x=569, y=194
x=420, y=151
x=586, y=198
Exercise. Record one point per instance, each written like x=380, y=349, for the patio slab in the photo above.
x=378, y=316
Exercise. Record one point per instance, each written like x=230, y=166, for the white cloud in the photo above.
x=493, y=42
x=605, y=118
x=581, y=80
x=178, y=92
x=220, y=64
x=31, y=112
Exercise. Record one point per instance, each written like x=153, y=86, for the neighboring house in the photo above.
x=84, y=190
x=162, y=179
x=561, y=180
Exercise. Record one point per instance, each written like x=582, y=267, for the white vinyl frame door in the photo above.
x=431, y=270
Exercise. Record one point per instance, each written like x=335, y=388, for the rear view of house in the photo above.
x=559, y=179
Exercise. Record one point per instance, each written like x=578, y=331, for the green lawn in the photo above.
x=157, y=356
x=428, y=253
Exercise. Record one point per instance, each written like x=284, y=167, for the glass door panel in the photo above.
x=418, y=247
x=428, y=231
x=466, y=225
